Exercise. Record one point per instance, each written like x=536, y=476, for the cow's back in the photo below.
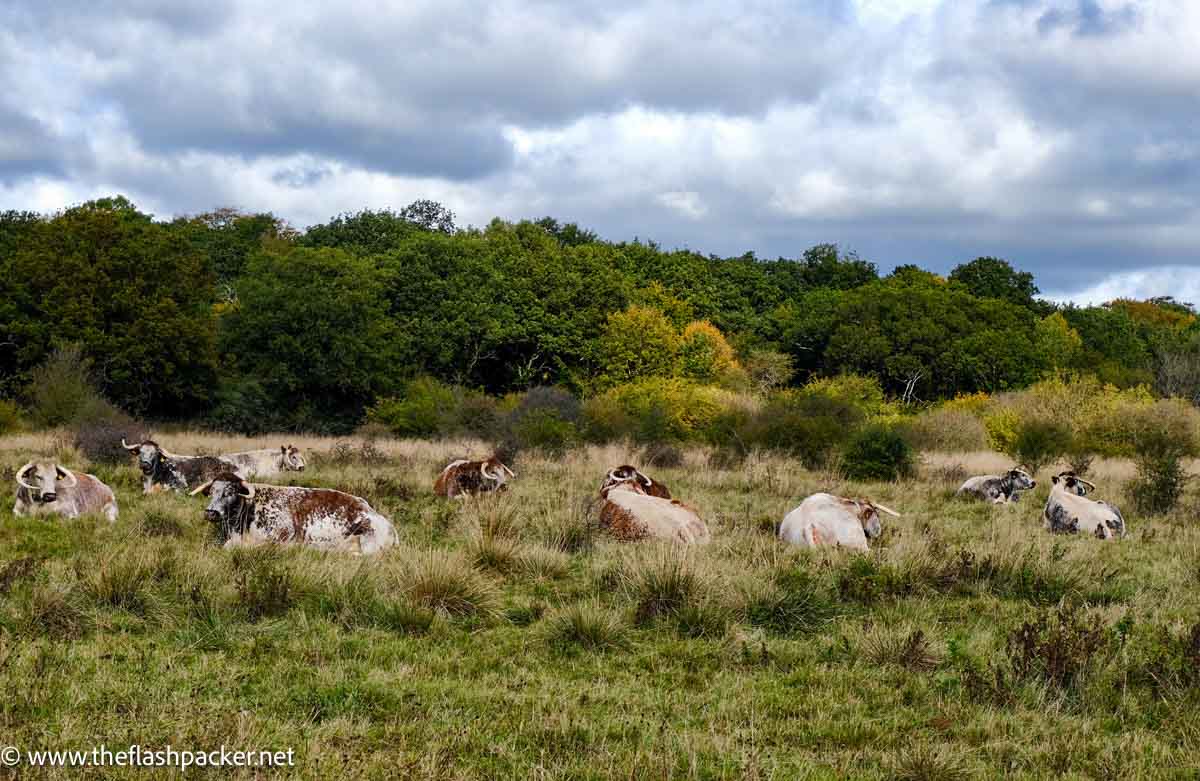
x=636, y=515
x=823, y=520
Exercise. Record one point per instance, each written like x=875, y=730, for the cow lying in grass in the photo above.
x=266, y=463
x=250, y=514
x=465, y=478
x=626, y=474
x=47, y=488
x=998, y=489
x=828, y=520
x=163, y=471
x=1069, y=511
x=630, y=513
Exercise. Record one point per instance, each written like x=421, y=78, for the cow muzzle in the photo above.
x=47, y=497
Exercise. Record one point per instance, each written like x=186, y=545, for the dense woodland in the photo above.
x=243, y=321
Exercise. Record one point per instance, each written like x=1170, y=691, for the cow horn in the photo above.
x=511, y=473
x=201, y=489
x=1088, y=483
x=249, y=491
x=21, y=472
x=483, y=470
x=887, y=510
x=129, y=447
x=67, y=474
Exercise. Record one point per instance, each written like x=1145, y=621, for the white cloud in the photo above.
x=685, y=202
x=1181, y=282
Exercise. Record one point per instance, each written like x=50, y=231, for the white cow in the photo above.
x=1069, y=511
x=47, y=488
x=828, y=520
x=267, y=463
x=629, y=513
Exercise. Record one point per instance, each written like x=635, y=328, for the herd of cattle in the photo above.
x=632, y=505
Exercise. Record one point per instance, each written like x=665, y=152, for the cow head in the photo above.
x=495, y=472
x=1073, y=484
x=149, y=455
x=868, y=515
x=291, y=459
x=626, y=474
x=230, y=502
x=42, y=480
x=1021, y=480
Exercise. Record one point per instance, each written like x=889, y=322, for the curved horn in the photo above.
x=21, y=472
x=1022, y=471
x=249, y=491
x=129, y=447
x=201, y=489
x=612, y=475
x=1088, y=483
x=483, y=470
x=887, y=510
x=67, y=474
x=511, y=473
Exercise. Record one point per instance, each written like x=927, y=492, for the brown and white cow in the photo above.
x=47, y=488
x=828, y=520
x=268, y=462
x=163, y=471
x=629, y=513
x=627, y=473
x=464, y=478
x=250, y=514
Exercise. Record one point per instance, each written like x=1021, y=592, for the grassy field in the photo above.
x=507, y=638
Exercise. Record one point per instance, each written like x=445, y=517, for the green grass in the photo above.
x=507, y=638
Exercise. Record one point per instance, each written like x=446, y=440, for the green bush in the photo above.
x=426, y=408
x=1040, y=442
x=10, y=417
x=62, y=387
x=806, y=424
x=543, y=419
x=603, y=419
x=669, y=409
x=243, y=406
x=946, y=430
x=877, y=452
x=1161, y=436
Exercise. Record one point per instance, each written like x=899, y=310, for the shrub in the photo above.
x=662, y=455
x=806, y=424
x=603, y=420
x=877, y=452
x=706, y=356
x=1040, y=442
x=100, y=440
x=427, y=407
x=1161, y=437
x=863, y=393
x=541, y=430
x=586, y=625
x=670, y=409
x=768, y=370
x=1055, y=650
x=10, y=417
x=446, y=584
x=61, y=387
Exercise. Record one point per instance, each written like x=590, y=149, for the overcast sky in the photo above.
x=1060, y=134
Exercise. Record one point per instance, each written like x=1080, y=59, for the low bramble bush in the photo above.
x=877, y=452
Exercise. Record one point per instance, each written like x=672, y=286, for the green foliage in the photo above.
x=878, y=452
x=544, y=419
x=426, y=407
x=1040, y=442
x=636, y=344
x=996, y=278
x=135, y=295
x=668, y=409
x=312, y=328
x=10, y=416
x=61, y=388
x=808, y=424
x=1161, y=435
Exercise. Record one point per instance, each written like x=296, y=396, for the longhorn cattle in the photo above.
x=265, y=463
x=998, y=489
x=47, y=488
x=629, y=513
x=828, y=520
x=1069, y=511
x=630, y=474
x=163, y=471
x=463, y=477
x=250, y=514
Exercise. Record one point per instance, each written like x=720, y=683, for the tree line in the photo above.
x=242, y=320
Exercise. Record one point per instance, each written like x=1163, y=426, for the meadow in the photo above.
x=506, y=637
